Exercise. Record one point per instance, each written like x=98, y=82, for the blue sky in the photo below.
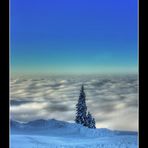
x=73, y=36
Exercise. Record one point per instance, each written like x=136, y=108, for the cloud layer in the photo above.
x=113, y=100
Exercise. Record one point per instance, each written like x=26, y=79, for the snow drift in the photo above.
x=52, y=126
x=59, y=134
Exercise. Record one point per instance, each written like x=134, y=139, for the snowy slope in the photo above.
x=60, y=134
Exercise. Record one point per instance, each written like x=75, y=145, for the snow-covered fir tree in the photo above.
x=81, y=108
x=90, y=121
x=81, y=115
x=93, y=123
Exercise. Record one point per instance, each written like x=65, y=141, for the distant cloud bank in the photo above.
x=113, y=100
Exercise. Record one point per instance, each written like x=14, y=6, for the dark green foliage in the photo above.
x=81, y=108
x=90, y=121
x=81, y=115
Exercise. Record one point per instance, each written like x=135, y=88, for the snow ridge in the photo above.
x=60, y=134
x=57, y=127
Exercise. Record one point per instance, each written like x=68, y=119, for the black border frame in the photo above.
x=143, y=95
x=4, y=71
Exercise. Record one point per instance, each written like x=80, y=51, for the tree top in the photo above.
x=82, y=87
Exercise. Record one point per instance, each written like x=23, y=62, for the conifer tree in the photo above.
x=93, y=123
x=90, y=121
x=81, y=108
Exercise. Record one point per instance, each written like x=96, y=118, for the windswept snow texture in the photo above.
x=60, y=134
x=111, y=99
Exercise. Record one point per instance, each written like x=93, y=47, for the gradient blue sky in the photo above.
x=73, y=36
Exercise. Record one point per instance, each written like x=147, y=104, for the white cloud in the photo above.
x=112, y=100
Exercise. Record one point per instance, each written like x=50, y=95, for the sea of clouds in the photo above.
x=112, y=100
